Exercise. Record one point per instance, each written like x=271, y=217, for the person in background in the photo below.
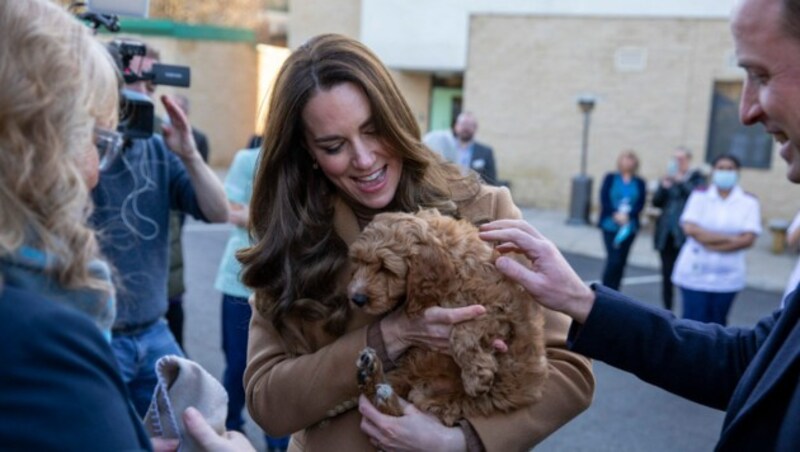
x=442, y=141
x=132, y=203
x=471, y=154
x=622, y=198
x=254, y=141
x=670, y=196
x=341, y=145
x=176, y=286
x=459, y=146
x=236, y=310
x=720, y=224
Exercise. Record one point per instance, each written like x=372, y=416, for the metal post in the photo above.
x=585, y=141
x=581, y=197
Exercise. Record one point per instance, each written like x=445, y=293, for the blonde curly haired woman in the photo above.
x=58, y=107
x=58, y=101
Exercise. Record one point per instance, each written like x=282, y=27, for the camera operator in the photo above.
x=132, y=208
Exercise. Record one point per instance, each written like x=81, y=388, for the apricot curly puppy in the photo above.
x=427, y=259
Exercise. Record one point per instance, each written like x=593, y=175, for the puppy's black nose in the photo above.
x=359, y=299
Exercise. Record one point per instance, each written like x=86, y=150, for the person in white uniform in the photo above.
x=720, y=223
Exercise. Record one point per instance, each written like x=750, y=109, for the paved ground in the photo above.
x=627, y=414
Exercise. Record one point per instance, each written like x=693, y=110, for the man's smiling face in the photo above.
x=771, y=92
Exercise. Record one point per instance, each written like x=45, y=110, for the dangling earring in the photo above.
x=315, y=165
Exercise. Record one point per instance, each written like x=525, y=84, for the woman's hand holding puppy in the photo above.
x=430, y=330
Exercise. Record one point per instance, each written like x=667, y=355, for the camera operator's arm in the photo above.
x=207, y=186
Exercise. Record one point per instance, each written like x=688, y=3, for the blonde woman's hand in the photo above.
x=209, y=440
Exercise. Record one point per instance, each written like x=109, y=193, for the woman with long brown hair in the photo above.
x=341, y=145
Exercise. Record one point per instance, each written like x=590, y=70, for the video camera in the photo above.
x=137, y=112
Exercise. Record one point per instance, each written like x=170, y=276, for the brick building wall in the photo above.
x=310, y=18
x=525, y=74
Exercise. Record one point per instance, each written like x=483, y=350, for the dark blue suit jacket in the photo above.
x=59, y=384
x=751, y=373
x=483, y=163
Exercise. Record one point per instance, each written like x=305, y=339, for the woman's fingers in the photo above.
x=451, y=316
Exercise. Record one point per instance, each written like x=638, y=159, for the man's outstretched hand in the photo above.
x=550, y=278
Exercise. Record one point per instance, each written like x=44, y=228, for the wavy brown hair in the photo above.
x=296, y=261
x=56, y=79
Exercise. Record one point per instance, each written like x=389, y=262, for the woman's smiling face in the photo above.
x=342, y=138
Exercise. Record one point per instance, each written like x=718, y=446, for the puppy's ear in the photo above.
x=430, y=276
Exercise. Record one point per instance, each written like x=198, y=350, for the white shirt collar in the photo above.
x=736, y=192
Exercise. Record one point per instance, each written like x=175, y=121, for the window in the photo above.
x=726, y=135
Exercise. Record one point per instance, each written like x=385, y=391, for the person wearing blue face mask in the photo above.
x=720, y=223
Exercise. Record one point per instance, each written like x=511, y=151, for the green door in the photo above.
x=445, y=106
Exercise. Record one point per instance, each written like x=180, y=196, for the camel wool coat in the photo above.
x=314, y=395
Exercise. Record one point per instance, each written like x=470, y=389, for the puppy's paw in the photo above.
x=372, y=383
x=369, y=367
x=383, y=393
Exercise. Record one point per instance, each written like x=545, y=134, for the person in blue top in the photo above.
x=235, y=308
x=132, y=207
x=622, y=197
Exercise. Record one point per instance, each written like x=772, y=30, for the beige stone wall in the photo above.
x=416, y=88
x=526, y=72
x=223, y=92
x=309, y=18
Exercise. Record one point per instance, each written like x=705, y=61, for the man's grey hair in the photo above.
x=685, y=150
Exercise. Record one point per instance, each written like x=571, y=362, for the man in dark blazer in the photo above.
x=751, y=373
x=468, y=153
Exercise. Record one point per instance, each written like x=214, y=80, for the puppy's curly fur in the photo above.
x=427, y=259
